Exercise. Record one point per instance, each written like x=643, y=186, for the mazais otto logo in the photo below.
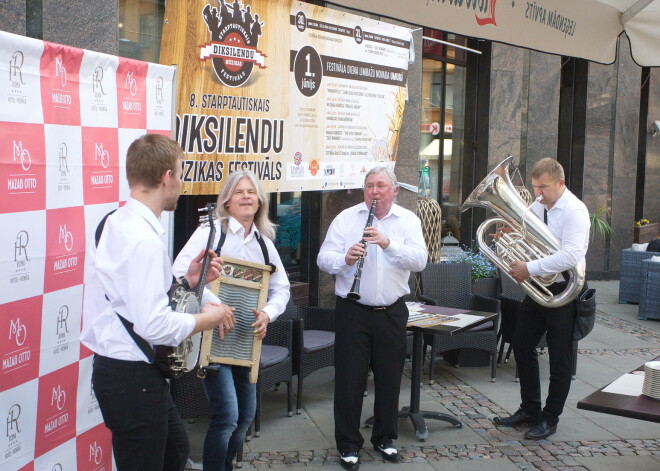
x=233, y=49
x=60, y=66
x=56, y=408
x=20, y=324
x=65, y=248
x=94, y=449
x=314, y=167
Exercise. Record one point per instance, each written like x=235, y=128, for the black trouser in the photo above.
x=147, y=431
x=533, y=321
x=366, y=336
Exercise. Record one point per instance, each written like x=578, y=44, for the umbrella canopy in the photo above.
x=587, y=29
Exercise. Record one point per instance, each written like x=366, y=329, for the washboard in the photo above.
x=244, y=286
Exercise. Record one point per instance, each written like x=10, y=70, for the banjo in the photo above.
x=185, y=356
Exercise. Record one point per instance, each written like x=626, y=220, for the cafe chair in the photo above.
x=276, y=365
x=449, y=285
x=313, y=342
x=511, y=296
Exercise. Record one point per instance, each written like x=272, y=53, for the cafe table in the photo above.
x=427, y=319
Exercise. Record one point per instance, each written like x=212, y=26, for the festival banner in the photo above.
x=308, y=98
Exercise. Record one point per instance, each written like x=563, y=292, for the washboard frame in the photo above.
x=240, y=346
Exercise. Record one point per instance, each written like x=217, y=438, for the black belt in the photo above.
x=371, y=308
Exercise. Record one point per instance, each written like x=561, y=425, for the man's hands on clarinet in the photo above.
x=371, y=236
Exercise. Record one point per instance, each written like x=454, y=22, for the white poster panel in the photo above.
x=98, y=90
x=61, y=458
x=160, y=84
x=89, y=412
x=19, y=415
x=60, y=329
x=63, y=166
x=20, y=79
x=22, y=255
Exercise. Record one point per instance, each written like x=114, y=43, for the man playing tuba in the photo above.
x=567, y=219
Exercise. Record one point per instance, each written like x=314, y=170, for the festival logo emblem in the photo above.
x=233, y=49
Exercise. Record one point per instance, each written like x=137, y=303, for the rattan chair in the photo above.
x=649, y=303
x=449, y=285
x=313, y=342
x=276, y=365
x=630, y=278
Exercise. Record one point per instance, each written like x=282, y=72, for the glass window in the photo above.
x=443, y=120
x=140, y=28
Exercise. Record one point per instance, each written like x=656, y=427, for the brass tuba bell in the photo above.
x=529, y=239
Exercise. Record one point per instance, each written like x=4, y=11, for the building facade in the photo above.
x=465, y=113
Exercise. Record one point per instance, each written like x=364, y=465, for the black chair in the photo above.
x=276, y=365
x=313, y=342
x=449, y=285
x=511, y=296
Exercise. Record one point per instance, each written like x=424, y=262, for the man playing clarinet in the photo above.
x=371, y=330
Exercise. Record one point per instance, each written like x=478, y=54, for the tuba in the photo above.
x=529, y=239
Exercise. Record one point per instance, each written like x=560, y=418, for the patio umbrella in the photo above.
x=587, y=29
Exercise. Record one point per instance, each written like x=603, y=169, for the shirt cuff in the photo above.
x=394, y=247
x=533, y=268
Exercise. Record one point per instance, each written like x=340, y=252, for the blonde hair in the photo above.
x=149, y=157
x=264, y=225
x=549, y=166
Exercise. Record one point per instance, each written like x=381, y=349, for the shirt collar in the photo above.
x=237, y=228
x=147, y=214
x=395, y=210
x=562, y=202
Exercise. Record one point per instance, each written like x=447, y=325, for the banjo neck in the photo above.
x=199, y=288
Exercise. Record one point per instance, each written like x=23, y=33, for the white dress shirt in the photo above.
x=236, y=245
x=385, y=272
x=568, y=221
x=132, y=268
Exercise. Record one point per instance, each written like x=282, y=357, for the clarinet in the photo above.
x=355, y=289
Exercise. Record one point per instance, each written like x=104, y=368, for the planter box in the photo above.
x=485, y=287
x=644, y=234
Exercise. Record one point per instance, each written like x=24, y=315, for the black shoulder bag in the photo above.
x=585, y=315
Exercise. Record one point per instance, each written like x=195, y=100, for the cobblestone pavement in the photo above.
x=474, y=410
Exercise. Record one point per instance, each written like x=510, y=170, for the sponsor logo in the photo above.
x=329, y=171
x=233, y=49
x=131, y=83
x=297, y=158
x=22, y=155
x=13, y=427
x=97, y=83
x=15, y=69
x=66, y=237
x=60, y=71
x=95, y=453
x=63, y=164
x=313, y=167
x=17, y=332
x=58, y=397
x=20, y=248
x=101, y=154
x=159, y=90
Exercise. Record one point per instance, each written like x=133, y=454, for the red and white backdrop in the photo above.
x=67, y=117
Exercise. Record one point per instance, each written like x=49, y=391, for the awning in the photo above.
x=587, y=29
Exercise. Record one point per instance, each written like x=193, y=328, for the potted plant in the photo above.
x=600, y=223
x=484, y=273
x=644, y=231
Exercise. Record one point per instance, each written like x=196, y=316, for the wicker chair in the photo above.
x=449, y=285
x=649, y=303
x=276, y=365
x=313, y=342
x=631, y=274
